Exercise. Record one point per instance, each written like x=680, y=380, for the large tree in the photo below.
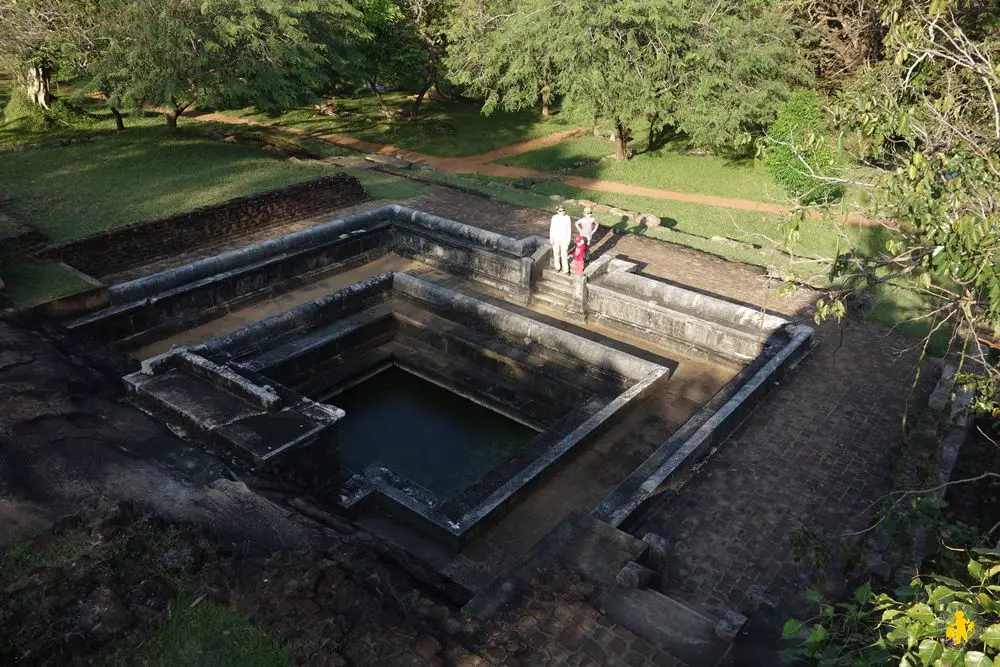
x=747, y=61
x=393, y=53
x=428, y=21
x=37, y=37
x=498, y=51
x=221, y=53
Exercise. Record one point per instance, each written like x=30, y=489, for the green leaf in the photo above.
x=812, y=594
x=948, y=581
x=952, y=657
x=941, y=595
x=817, y=635
x=863, y=593
x=977, y=659
x=921, y=613
x=792, y=629
x=929, y=651
x=976, y=570
x=991, y=636
x=788, y=656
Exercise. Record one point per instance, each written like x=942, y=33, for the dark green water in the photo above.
x=440, y=440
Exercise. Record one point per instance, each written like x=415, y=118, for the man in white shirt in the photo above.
x=560, y=233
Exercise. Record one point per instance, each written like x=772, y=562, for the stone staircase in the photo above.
x=554, y=290
x=627, y=574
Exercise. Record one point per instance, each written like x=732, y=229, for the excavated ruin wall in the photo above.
x=125, y=248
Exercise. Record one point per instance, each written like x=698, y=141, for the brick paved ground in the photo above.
x=815, y=454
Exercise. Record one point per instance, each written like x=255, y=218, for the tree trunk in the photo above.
x=381, y=102
x=546, y=100
x=415, y=109
x=173, y=114
x=119, y=121
x=39, y=80
x=653, y=133
x=620, y=130
x=441, y=93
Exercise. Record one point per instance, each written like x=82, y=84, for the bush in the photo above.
x=33, y=118
x=936, y=620
x=797, y=139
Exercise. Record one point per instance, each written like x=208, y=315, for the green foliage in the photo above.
x=797, y=153
x=392, y=55
x=501, y=52
x=928, y=114
x=203, y=634
x=745, y=66
x=619, y=60
x=986, y=393
x=935, y=621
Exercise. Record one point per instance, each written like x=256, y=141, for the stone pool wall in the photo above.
x=125, y=248
x=155, y=306
x=724, y=331
x=568, y=387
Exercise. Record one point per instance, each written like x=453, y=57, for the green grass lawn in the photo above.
x=444, y=128
x=75, y=191
x=668, y=168
x=85, y=116
x=28, y=282
x=8, y=228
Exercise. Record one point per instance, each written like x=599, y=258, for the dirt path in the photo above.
x=527, y=146
x=482, y=164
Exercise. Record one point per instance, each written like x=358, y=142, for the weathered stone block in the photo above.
x=730, y=625
x=656, y=553
x=634, y=575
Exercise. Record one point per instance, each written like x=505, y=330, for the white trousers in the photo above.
x=560, y=250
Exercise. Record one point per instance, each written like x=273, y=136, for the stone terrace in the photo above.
x=814, y=454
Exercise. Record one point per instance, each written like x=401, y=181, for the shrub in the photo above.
x=795, y=144
x=33, y=118
x=936, y=620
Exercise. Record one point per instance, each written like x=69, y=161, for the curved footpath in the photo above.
x=483, y=164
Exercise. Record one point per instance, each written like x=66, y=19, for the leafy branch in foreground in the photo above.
x=936, y=620
x=927, y=121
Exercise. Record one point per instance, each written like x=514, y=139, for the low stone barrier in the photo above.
x=125, y=248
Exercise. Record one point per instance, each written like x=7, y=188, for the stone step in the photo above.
x=550, y=300
x=663, y=621
x=554, y=288
x=555, y=276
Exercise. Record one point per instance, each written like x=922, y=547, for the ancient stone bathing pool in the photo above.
x=435, y=383
x=442, y=441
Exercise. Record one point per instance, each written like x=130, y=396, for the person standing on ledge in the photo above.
x=579, y=255
x=586, y=226
x=560, y=234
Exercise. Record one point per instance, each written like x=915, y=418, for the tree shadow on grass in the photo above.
x=444, y=127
